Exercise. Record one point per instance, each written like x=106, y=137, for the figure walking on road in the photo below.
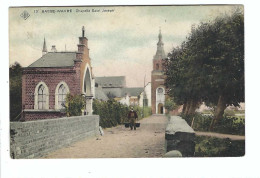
x=132, y=116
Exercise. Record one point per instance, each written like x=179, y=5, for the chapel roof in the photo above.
x=100, y=95
x=132, y=91
x=111, y=81
x=55, y=59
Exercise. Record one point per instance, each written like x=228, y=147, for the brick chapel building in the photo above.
x=158, y=79
x=46, y=81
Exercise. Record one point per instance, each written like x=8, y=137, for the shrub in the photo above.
x=170, y=104
x=216, y=147
x=147, y=111
x=74, y=105
x=142, y=112
x=113, y=113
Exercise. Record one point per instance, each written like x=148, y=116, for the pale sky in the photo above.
x=121, y=42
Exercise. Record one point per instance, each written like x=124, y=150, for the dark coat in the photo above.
x=132, y=114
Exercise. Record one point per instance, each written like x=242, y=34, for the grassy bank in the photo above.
x=216, y=147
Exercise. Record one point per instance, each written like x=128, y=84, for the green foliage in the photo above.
x=216, y=147
x=113, y=113
x=170, y=104
x=227, y=125
x=74, y=105
x=147, y=111
x=15, y=78
x=209, y=64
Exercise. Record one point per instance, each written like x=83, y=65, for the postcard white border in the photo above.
x=246, y=166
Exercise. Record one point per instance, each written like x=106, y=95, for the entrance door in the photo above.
x=160, y=108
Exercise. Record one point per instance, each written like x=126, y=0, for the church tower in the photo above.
x=158, y=79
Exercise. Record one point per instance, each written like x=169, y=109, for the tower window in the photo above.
x=160, y=90
x=157, y=66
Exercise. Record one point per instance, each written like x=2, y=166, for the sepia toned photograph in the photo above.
x=127, y=81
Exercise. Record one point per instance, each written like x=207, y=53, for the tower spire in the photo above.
x=160, y=54
x=44, y=49
x=160, y=34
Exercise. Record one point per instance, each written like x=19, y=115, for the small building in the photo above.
x=47, y=81
x=133, y=94
x=115, y=87
x=111, y=85
x=145, y=97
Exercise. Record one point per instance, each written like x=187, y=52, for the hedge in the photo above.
x=113, y=113
x=227, y=125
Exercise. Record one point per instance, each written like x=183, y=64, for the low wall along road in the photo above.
x=79, y=137
x=179, y=136
x=34, y=139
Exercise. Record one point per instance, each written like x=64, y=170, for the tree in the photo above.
x=228, y=72
x=170, y=104
x=209, y=66
x=15, y=78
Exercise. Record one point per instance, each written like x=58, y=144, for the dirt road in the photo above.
x=120, y=142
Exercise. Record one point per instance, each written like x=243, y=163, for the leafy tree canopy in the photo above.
x=209, y=65
x=15, y=79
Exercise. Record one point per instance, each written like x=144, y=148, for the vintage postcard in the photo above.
x=127, y=81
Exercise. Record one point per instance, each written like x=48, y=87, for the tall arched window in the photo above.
x=87, y=83
x=41, y=97
x=62, y=92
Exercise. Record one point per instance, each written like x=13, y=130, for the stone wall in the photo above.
x=34, y=139
x=179, y=136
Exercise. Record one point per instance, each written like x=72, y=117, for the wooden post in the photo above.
x=192, y=122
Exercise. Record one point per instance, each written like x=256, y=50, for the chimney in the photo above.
x=53, y=49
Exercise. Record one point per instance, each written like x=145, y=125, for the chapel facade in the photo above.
x=158, y=79
x=47, y=81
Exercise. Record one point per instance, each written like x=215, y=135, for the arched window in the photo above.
x=157, y=66
x=41, y=97
x=62, y=92
x=87, y=83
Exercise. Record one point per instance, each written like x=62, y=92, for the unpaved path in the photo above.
x=121, y=142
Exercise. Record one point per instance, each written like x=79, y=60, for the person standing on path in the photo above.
x=132, y=117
